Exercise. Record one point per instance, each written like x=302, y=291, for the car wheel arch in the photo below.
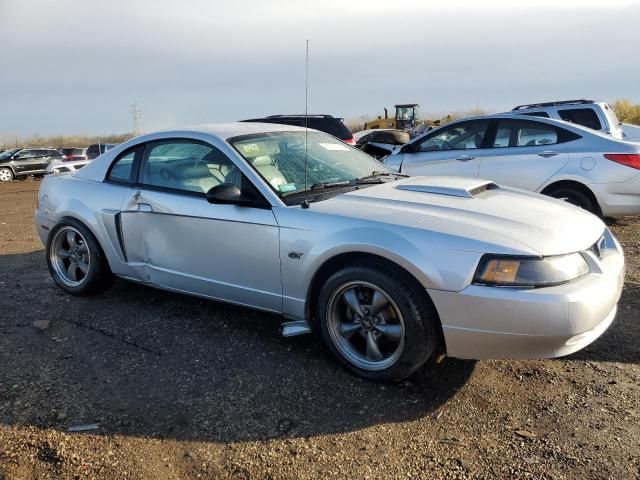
x=331, y=265
x=575, y=185
x=346, y=259
x=88, y=226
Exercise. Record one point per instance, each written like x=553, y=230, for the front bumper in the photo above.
x=43, y=226
x=490, y=322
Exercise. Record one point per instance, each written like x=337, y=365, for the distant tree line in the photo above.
x=61, y=141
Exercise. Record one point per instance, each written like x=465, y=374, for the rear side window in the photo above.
x=582, y=116
x=122, y=169
x=332, y=126
x=518, y=133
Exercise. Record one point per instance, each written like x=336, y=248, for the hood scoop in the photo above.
x=454, y=187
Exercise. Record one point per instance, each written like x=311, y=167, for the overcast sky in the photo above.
x=76, y=66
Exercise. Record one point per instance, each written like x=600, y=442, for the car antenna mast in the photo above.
x=305, y=202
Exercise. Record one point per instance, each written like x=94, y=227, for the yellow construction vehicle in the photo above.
x=405, y=118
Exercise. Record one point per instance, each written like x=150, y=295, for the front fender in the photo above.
x=303, y=252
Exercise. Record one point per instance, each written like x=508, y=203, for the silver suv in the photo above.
x=595, y=115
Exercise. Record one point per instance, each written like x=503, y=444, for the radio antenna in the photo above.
x=305, y=202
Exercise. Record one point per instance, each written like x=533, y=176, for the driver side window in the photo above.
x=461, y=136
x=187, y=165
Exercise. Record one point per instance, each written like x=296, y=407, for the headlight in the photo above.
x=508, y=271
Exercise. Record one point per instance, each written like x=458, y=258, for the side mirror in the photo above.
x=228, y=194
x=408, y=148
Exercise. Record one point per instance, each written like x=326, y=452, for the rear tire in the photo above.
x=575, y=197
x=6, y=174
x=376, y=322
x=75, y=260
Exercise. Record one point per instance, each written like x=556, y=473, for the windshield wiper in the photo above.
x=377, y=177
x=342, y=183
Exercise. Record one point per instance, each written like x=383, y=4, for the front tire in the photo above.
x=75, y=260
x=6, y=174
x=376, y=322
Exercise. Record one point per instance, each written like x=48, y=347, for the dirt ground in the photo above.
x=185, y=388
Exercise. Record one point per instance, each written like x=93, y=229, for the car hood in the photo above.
x=472, y=209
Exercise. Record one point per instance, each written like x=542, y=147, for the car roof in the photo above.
x=515, y=116
x=235, y=129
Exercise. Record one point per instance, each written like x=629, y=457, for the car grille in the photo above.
x=598, y=248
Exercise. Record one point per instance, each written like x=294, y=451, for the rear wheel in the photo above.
x=75, y=259
x=376, y=322
x=574, y=197
x=6, y=174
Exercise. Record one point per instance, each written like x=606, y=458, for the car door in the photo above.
x=451, y=150
x=178, y=240
x=25, y=161
x=524, y=153
x=43, y=157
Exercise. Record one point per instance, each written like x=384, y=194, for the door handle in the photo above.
x=144, y=207
x=465, y=158
x=548, y=153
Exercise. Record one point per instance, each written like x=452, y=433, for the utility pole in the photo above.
x=136, y=112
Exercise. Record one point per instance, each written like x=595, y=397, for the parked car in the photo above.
x=21, y=162
x=97, y=149
x=376, y=142
x=66, y=167
x=390, y=270
x=73, y=154
x=324, y=123
x=631, y=132
x=595, y=115
x=552, y=157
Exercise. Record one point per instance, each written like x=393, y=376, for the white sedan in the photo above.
x=563, y=160
x=391, y=271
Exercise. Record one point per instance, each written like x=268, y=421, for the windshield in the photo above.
x=8, y=153
x=279, y=157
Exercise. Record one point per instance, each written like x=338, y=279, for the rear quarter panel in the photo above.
x=64, y=196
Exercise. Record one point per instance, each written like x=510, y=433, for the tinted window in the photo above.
x=187, y=165
x=48, y=153
x=121, y=169
x=26, y=154
x=73, y=151
x=462, y=136
x=332, y=126
x=536, y=114
x=8, y=153
x=582, y=116
x=518, y=133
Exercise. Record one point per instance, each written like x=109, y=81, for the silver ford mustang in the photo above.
x=392, y=271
